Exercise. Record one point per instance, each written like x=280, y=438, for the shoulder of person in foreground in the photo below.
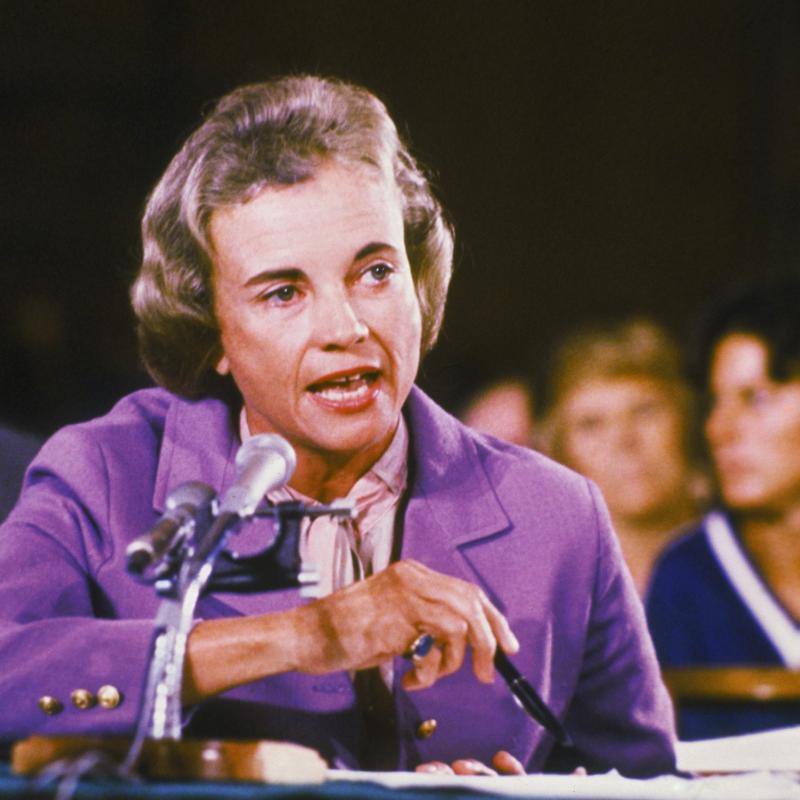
x=90, y=486
x=96, y=467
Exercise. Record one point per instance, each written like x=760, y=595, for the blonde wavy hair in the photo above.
x=635, y=347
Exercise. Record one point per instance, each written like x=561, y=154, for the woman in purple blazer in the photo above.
x=295, y=270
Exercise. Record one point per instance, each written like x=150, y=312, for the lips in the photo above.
x=349, y=391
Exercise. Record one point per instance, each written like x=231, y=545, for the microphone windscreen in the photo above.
x=264, y=462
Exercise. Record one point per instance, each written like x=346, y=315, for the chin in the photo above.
x=340, y=439
x=745, y=501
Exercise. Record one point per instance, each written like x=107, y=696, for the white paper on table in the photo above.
x=775, y=750
x=611, y=786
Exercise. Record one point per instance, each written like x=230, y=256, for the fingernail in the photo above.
x=433, y=766
x=478, y=768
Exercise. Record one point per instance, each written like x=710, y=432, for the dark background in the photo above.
x=598, y=158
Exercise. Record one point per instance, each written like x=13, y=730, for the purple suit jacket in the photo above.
x=533, y=535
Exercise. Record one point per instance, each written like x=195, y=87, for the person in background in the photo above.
x=295, y=269
x=503, y=408
x=621, y=413
x=729, y=592
x=17, y=451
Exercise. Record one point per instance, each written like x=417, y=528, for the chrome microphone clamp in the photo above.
x=279, y=565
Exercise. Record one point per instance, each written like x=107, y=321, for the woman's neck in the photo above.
x=773, y=542
x=643, y=539
x=328, y=476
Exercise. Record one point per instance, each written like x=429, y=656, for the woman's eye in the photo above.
x=589, y=424
x=648, y=409
x=283, y=294
x=379, y=272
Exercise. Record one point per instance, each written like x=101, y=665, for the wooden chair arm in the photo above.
x=732, y=684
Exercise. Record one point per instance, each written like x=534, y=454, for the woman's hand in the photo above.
x=368, y=622
x=359, y=626
x=503, y=763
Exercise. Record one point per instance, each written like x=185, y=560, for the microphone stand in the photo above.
x=160, y=715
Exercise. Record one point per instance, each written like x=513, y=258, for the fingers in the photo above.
x=435, y=767
x=462, y=614
x=503, y=762
x=470, y=766
x=502, y=630
x=506, y=764
x=366, y=623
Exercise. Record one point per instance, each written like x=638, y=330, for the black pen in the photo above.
x=529, y=699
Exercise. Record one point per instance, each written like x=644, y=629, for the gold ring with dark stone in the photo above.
x=419, y=648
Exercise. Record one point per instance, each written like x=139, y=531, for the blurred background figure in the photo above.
x=729, y=594
x=621, y=413
x=16, y=452
x=503, y=408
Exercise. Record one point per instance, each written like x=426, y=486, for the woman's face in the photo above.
x=626, y=434
x=503, y=409
x=319, y=319
x=753, y=429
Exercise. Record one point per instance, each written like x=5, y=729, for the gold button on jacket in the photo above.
x=50, y=705
x=426, y=728
x=109, y=696
x=83, y=699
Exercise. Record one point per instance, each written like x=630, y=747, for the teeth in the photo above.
x=346, y=380
x=337, y=394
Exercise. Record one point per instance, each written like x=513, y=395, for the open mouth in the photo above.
x=346, y=388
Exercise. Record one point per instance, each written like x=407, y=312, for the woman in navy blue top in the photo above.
x=729, y=592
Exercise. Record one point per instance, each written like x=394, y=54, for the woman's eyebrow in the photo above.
x=267, y=275
x=373, y=247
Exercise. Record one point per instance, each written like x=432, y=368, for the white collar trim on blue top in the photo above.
x=776, y=623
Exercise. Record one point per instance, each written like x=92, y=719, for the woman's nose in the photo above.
x=720, y=424
x=338, y=323
x=624, y=434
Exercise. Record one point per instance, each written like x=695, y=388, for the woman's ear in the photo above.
x=223, y=366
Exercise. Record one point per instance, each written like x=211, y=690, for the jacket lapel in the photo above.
x=453, y=509
x=199, y=444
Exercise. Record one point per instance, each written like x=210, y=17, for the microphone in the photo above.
x=183, y=503
x=264, y=462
